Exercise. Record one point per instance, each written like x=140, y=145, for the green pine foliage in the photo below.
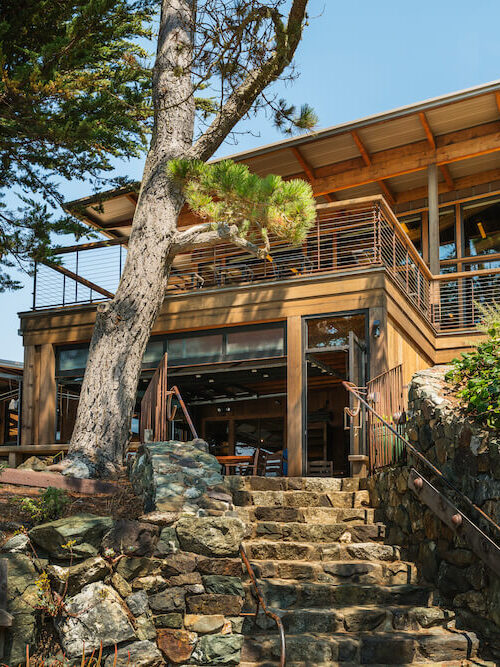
x=476, y=376
x=228, y=192
x=75, y=93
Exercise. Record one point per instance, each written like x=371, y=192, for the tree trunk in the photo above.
x=123, y=325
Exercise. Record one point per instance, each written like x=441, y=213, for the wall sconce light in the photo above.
x=376, y=331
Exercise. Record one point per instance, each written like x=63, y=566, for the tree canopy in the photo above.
x=75, y=92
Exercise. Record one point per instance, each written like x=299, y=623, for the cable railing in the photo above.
x=482, y=545
x=347, y=236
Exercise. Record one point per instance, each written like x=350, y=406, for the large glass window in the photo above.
x=73, y=358
x=481, y=224
x=255, y=343
x=195, y=348
x=447, y=243
x=413, y=227
x=333, y=331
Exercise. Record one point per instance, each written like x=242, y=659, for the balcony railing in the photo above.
x=348, y=236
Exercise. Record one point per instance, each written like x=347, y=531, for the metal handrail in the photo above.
x=262, y=603
x=354, y=390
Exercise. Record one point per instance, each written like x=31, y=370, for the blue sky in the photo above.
x=357, y=58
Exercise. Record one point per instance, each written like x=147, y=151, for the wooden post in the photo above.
x=295, y=394
x=30, y=396
x=432, y=174
x=47, y=396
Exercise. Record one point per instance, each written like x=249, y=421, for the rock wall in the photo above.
x=470, y=458
x=166, y=589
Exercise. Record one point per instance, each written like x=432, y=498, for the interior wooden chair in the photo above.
x=270, y=464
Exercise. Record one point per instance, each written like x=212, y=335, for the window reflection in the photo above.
x=412, y=225
x=334, y=331
x=447, y=244
x=481, y=222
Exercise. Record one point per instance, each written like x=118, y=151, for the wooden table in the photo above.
x=236, y=461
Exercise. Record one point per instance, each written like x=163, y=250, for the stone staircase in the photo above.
x=344, y=595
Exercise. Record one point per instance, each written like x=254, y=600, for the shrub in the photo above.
x=476, y=376
x=49, y=506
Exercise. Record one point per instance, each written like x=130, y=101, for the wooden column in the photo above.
x=432, y=174
x=47, y=398
x=29, y=419
x=295, y=395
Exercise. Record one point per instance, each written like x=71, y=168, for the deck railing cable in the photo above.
x=261, y=603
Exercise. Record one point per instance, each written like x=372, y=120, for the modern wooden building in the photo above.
x=405, y=249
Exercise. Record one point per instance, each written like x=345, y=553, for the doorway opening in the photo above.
x=335, y=351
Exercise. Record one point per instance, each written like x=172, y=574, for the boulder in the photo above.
x=138, y=654
x=95, y=615
x=211, y=536
x=84, y=530
x=77, y=576
x=204, y=625
x=218, y=650
x=33, y=463
x=138, y=603
x=130, y=537
x=18, y=544
x=22, y=597
x=176, y=645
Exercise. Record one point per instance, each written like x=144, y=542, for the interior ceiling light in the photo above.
x=198, y=376
x=481, y=230
x=254, y=370
x=266, y=375
x=211, y=380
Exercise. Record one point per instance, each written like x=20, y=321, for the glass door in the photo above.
x=357, y=375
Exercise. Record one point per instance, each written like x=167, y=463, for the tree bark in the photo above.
x=123, y=325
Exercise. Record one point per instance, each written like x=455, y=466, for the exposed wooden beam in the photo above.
x=330, y=197
x=308, y=169
x=409, y=159
x=90, y=246
x=131, y=196
x=391, y=199
x=447, y=176
x=497, y=98
x=459, y=184
x=79, y=279
x=427, y=129
x=361, y=148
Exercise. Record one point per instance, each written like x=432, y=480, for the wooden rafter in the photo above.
x=361, y=148
x=497, y=98
x=308, y=169
x=368, y=161
x=131, y=196
x=431, y=139
x=427, y=129
x=412, y=158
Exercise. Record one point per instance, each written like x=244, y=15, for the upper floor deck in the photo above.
x=348, y=237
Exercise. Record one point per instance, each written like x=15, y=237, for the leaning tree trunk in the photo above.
x=123, y=325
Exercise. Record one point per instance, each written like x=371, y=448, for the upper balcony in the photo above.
x=349, y=236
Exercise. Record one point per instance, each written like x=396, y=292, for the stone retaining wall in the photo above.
x=470, y=458
x=166, y=589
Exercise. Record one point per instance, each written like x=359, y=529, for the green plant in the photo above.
x=476, y=376
x=49, y=506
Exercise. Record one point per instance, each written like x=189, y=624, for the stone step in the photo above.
x=302, y=499
x=297, y=483
x=295, y=594
x=359, y=618
x=333, y=532
x=373, y=648
x=321, y=551
x=337, y=572
x=448, y=663
x=322, y=515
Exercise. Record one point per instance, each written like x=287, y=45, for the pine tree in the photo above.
x=215, y=61
x=75, y=92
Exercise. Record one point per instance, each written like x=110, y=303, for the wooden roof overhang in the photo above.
x=385, y=154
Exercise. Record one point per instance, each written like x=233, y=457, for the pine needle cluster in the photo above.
x=228, y=192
